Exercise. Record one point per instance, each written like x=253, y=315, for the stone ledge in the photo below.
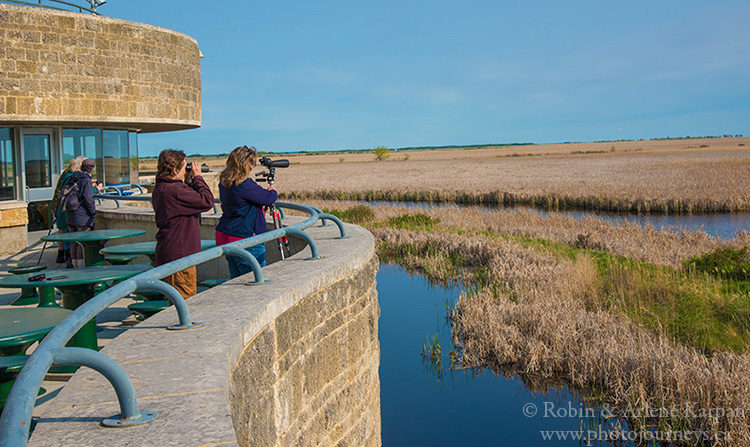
x=185, y=375
x=13, y=214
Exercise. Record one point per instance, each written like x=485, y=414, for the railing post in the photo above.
x=323, y=222
x=310, y=241
x=155, y=285
x=129, y=413
x=231, y=250
x=336, y=220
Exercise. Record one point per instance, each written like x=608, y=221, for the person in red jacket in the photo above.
x=178, y=201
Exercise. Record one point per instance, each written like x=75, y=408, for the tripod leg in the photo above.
x=285, y=239
x=276, y=226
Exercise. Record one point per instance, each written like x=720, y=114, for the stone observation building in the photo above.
x=81, y=84
x=291, y=361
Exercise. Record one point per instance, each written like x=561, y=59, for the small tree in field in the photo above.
x=381, y=153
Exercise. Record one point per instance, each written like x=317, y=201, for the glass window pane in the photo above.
x=36, y=152
x=85, y=142
x=134, y=173
x=116, y=157
x=7, y=166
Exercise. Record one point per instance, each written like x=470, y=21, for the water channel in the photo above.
x=420, y=407
x=722, y=226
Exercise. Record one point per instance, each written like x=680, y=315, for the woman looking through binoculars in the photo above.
x=242, y=202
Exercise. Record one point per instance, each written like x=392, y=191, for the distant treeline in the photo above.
x=452, y=146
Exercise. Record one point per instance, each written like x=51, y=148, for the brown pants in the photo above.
x=185, y=281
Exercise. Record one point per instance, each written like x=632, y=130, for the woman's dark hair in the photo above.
x=170, y=160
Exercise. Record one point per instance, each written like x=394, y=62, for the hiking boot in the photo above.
x=68, y=260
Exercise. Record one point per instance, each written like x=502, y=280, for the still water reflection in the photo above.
x=723, y=226
x=419, y=408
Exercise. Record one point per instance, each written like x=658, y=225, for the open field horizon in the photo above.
x=474, y=152
x=660, y=177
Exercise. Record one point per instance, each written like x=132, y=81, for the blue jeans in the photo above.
x=239, y=267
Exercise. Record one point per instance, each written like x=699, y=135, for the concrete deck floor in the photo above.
x=109, y=322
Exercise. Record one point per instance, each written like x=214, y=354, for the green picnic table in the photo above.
x=19, y=328
x=144, y=248
x=92, y=241
x=77, y=287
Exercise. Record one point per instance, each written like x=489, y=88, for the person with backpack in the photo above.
x=77, y=200
x=178, y=199
x=60, y=216
x=242, y=202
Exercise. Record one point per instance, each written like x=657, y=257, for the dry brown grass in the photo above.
x=630, y=240
x=664, y=176
x=655, y=179
x=531, y=318
x=476, y=154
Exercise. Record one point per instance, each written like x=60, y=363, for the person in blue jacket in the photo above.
x=82, y=218
x=242, y=202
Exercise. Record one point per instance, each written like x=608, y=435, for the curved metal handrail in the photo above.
x=16, y=416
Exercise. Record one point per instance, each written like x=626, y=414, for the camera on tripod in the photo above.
x=267, y=162
x=270, y=175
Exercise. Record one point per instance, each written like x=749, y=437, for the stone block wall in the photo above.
x=66, y=67
x=311, y=376
x=13, y=219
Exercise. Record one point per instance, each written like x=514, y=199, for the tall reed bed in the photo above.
x=546, y=201
x=624, y=239
x=533, y=315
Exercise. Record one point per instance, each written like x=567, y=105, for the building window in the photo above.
x=37, y=158
x=134, y=173
x=7, y=166
x=83, y=142
x=116, y=157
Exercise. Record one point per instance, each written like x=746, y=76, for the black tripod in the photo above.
x=269, y=177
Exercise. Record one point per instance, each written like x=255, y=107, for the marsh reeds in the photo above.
x=547, y=201
x=671, y=181
x=539, y=322
x=624, y=239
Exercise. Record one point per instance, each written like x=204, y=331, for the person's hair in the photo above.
x=75, y=163
x=170, y=160
x=239, y=164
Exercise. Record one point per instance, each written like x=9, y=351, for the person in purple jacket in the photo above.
x=242, y=202
x=178, y=201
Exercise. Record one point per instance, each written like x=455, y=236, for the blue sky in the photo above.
x=331, y=75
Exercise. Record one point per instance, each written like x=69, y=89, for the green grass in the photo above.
x=357, y=214
x=728, y=263
x=696, y=308
x=416, y=221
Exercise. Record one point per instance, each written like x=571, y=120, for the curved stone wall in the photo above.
x=291, y=362
x=65, y=67
x=310, y=377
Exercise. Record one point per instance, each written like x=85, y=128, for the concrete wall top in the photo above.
x=67, y=68
x=185, y=375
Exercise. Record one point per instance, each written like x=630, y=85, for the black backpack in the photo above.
x=69, y=196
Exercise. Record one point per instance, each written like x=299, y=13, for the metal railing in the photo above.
x=16, y=416
x=91, y=8
x=147, y=198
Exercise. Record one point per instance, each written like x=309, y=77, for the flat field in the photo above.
x=660, y=176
